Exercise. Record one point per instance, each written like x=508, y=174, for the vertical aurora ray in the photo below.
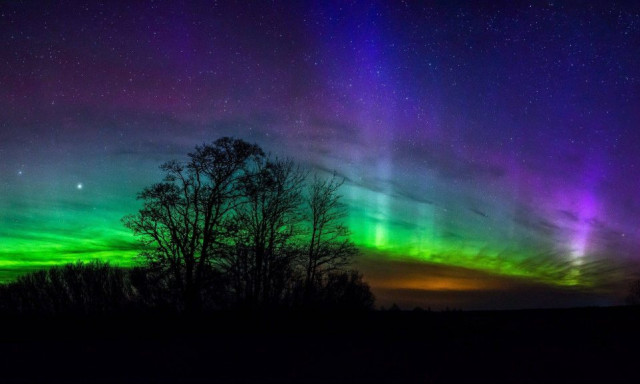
x=496, y=139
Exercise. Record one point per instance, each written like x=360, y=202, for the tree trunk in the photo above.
x=192, y=291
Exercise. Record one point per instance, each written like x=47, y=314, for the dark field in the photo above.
x=574, y=345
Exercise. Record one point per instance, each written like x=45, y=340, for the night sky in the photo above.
x=491, y=151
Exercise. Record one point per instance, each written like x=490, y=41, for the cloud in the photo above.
x=447, y=163
x=572, y=216
x=478, y=212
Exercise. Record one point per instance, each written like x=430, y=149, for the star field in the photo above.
x=485, y=147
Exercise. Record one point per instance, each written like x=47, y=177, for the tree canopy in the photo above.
x=250, y=225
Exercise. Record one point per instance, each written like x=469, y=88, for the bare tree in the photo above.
x=183, y=219
x=267, y=222
x=231, y=226
x=329, y=247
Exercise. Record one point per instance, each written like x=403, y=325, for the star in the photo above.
x=79, y=186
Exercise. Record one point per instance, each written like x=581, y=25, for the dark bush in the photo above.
x=341, y=291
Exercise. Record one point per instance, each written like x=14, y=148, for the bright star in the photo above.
x=79, y=186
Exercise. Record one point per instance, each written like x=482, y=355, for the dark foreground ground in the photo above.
x=578, y=345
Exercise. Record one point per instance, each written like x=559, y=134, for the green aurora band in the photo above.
x=483, y=146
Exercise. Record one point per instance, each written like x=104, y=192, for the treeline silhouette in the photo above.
x=230, y=228
x=91, y=288
x=97, y=288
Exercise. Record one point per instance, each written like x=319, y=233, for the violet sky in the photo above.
x=490, y=149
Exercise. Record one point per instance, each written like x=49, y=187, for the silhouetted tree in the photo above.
x=183, y=220
x=232, y=226
x=329, y=247
x=266, y=222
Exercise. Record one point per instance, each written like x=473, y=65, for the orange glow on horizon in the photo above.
x=435, y=284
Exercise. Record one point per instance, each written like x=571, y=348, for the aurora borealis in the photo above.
x=488, y=149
